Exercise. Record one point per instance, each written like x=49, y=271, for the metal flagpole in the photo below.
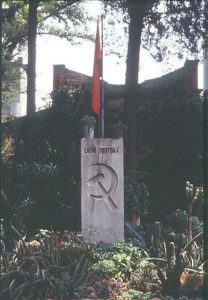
x=102, y=85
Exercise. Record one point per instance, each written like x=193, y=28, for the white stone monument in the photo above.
x=102, y=190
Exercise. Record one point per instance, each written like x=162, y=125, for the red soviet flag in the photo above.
x=95, y=102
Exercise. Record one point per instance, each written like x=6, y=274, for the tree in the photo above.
x=136, y=11
x=31, y=73
x=31, y=77
x=1, y=56
x=70, y=22
x=152, y=24
x=17, y=15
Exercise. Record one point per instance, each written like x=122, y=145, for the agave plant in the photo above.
x=35, y=271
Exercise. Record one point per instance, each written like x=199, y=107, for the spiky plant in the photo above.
x=35, y=271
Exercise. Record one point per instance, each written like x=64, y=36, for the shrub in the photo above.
x=123, y=258
x=105, y=267
x=45, y=192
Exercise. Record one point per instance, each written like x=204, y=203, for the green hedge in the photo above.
x=45, y=191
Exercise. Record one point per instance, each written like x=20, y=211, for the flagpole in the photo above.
x=102, y=87
x=97, y=100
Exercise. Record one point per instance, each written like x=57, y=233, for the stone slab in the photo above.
x=102, y=190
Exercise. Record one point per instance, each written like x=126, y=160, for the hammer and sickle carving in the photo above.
x=97, y=180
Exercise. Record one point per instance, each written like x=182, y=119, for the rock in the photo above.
x=90, y=289
x=92, y=296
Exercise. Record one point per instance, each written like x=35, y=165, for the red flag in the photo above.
x=95, y=102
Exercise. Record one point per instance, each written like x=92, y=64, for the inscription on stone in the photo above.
x=101, y=150
x=102, y=205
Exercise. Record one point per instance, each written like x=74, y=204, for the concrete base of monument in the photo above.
x=102, y=190
x=96, y=235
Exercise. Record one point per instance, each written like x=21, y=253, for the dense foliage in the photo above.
x=46, y=190
x=57, y=265
x=165, y=28
x=45, y=193
x=170, y=149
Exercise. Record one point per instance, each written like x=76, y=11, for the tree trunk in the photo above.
x=205, y=165
x=136, y=11
x=31, y=77
x=31, y=73
x=1, y=73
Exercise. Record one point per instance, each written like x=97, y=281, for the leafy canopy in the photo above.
x=65, y=19
x=169, y=27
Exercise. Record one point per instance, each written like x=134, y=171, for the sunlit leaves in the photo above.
x=67, y=20
x=169, y=27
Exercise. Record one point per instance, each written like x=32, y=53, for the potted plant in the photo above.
x=88, y=126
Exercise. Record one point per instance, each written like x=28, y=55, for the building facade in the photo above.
x=13, y=90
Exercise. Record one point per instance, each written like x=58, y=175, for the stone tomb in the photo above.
x=102, y=190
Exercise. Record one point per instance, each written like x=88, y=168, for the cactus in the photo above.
x=192, y=195
x=171, y=255
x=157, y=234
